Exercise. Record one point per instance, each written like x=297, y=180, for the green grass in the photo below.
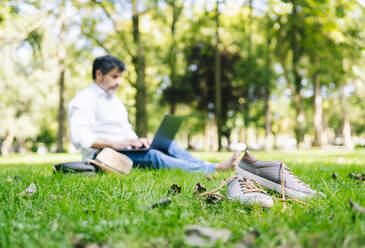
x=115, y=210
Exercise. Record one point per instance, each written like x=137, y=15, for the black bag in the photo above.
x=75, y=167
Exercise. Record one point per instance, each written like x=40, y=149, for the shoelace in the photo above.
x=248, y=187
x=213, y=192
x=245, y=184
x=283, y=168
x=295, y=177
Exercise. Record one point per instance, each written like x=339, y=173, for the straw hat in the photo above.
x=112, y=161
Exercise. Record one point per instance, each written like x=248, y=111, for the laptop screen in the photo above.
x=166, y=132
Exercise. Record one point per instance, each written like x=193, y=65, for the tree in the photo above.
x=61, y=79
x=176, y=9
x=139, y=64
x=217, y=80
x=135, y=50
x=269, y=139
x=197, y=86
x=18, y=104
x=289, y=36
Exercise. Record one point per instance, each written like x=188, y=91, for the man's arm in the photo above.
x=117, y=145
x=80, y=117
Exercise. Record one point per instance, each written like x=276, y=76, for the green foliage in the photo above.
x=46, y=136
x=256, y=48
x=196, y=86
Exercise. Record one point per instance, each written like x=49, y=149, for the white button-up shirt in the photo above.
x=93, y=114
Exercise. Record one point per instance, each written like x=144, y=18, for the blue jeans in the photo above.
x=174, y=157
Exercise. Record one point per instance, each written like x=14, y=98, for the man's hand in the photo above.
x=117, y=145
x=122, y=144
x=146, y=142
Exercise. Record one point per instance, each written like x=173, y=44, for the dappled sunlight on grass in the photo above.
x=34, y=158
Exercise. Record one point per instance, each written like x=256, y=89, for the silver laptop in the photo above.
x=164, y=136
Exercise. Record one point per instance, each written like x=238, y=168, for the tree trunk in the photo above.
x=139, y=64
x=269, y=139
x=298, y=103
x=7, y=143
x=172, y=56
x=317, y=119
x=295, y=46
x=61, y=82
x=61, y=111
x=21, y=145
x=249, y=29
x=346, y=125
x=218, y=92
x=172, y=108
x=300, y=127
x=246, y=118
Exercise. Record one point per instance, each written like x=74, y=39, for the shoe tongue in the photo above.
x=247, y=157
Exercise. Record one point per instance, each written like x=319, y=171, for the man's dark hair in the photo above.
x=107, y=63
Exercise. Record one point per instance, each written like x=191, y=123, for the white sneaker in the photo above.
x=247, y=193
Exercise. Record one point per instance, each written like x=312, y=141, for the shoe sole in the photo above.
x=260, y=203
x=271, y=185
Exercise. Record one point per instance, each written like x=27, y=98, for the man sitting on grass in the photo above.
x=98, y=119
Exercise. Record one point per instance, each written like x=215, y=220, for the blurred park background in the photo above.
x=274, y=74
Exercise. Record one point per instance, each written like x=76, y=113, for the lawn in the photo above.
x=115, y=210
